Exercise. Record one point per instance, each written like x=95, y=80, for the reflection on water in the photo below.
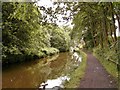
x=31, y=74
x=55, y=82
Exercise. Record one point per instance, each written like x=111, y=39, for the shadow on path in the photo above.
x=96, y=76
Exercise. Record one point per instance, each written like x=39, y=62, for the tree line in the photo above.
x=24, y=37
x=28, y=34
x=95, y=23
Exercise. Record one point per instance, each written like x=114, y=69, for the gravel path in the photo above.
x=96, y=76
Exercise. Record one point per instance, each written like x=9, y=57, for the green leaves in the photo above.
x=97, y=21
x=25, y=38
x=60, y=39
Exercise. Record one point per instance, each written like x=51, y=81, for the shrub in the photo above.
x=106, y=54
x=60, y=39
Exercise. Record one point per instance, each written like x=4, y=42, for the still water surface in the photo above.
x=32, y=74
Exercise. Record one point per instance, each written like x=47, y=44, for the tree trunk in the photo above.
x=105, y=32
x=111, y=32
x=92, y=30
x=101, y=35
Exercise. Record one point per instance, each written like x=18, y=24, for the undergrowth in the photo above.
x=78, y=73
x=104, y=56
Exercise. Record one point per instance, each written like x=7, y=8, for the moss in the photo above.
x=77, y=74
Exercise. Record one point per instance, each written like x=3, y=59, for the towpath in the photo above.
x=96, y=76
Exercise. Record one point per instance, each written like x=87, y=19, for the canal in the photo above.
x=31, y=74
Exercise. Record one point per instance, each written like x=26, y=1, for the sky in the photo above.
x=117, y=30
x=49, y=3
x=46, y=3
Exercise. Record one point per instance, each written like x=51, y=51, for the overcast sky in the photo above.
x=48, y=3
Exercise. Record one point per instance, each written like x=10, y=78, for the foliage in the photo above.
x=78, y=73
x=60, y=39
x=50, y=51
x=25, y=38
x=104, y=55
x=95, y=23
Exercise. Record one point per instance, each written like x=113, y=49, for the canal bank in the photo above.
x=77, y=74
x=32, y=74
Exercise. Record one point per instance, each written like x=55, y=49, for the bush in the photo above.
x=104, y=55
x=24, y=38
x=60, y=39
x=50, y=51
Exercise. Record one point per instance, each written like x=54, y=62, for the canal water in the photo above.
x=31, y=74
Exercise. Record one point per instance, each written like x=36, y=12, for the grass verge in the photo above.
x=110, y=67
x=77, y=74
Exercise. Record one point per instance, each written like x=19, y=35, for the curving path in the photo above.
x=96, y=76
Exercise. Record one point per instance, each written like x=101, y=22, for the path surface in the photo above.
x=95, y=75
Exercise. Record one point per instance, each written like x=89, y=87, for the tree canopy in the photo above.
x=24, y=37
x=31, y=31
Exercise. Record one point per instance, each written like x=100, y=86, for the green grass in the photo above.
x=77, y=75
x=110, y=67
